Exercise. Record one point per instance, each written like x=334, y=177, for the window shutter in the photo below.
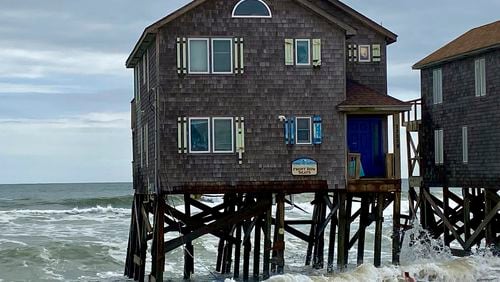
x=178, y=48
x=440, y=86
x=286, y=131
x=317, y=130
x=242, y=66
x=465, y=145
x=436, y=146
x=354, y=53
x=316, y=52
x=477, y=72
x=482, y=66
x=240, y=138
x=179, y=134
x=376, y=52
x=236, y=56
x=288, y=52
x=291, y=128
x=184, y=55
x=185, y=129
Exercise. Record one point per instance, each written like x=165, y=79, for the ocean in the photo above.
x=79, y=232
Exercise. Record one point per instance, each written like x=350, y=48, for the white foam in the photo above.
x=75, y=211
x=2, y=241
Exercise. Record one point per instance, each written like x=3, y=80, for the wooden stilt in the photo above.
x=378, y=230
x=342, y=240
x=333, y=229
x=158, y=245
x=319, y=240
x=363, y=222
x=446, y=212
x=487, y=209
x=188, y=249
x=396, y=228
x=256, y=249
x=348, y=208
x=267, y=243
x=312, y=231
x=279, y=244
x=246, y=252
x=237, y=253
x=467, y=202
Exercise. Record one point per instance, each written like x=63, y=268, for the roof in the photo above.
x=389, y=35
x=149, y=33
x=474, y=41
x=361, y=97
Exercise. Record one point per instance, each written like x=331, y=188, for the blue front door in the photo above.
x=364, y=136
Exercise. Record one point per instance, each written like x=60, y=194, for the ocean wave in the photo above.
x=75, y=211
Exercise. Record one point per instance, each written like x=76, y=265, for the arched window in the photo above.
x=251, y=9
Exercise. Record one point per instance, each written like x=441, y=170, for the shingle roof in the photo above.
x=475, y=40
x=363, y=97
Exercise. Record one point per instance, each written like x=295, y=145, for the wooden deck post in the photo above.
x=188, y=248
x=158, y=245
x=343, y=242
x=377, y=248
x=267, y=243
x=333, y=229
x=396, y=228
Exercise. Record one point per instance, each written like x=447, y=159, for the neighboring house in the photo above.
x=230, y=92
x=460, y=131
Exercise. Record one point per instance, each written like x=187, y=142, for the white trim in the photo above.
x=297, y=131
x=208, y=55
x=209, y=133
x=213, y=135
x=369, y=53
x=237, y=4
x=212, y=54
x=308, y=52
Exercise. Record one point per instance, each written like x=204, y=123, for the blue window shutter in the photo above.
x=317, y=130
x=286, y=132
x=292, y=130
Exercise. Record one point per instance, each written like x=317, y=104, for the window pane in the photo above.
x=198, y=56
x=252, y=8
x=302, y=52
x=303, y=130
x=223, y=136
x=221, y=52
x=199, y=135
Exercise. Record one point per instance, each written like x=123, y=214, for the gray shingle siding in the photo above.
x=461, y=107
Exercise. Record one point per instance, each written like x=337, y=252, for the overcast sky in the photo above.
x=65, y=93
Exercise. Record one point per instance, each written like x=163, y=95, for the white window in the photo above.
x=251, y=9
x=302, y=52
x=437, y=86
x=438, y=146
x=480, y=71
x=199, y=135
x=465, y=145
x=222, y=55
x=303, y=130
x=222, y=135
x=198, y=55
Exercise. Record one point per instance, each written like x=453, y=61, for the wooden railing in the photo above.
x=353, y=166
x=414, y=114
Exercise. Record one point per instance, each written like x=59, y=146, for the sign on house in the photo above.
x=304, y=166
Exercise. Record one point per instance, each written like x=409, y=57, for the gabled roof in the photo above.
x=389, y=35
x=149, y=33
x=474, y=41
x=360, y=97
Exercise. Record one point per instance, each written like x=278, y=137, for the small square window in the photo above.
x=302, y=52
x=364, y=53
x=198, y=55
x=222, y=55
x=222, y=130
x=303, y=130
x=199, y=135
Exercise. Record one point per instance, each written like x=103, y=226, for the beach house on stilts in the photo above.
x=258, y=100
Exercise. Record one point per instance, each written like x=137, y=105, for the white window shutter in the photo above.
x=465, y=145
x=288, y=52
x=434, y=87
x=242, y=65
x=436, y=146
x=483, y=76
x=316, y=52
x=477, y=72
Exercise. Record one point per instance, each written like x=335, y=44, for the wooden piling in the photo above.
x=396, y=228
x=158, y=245
x=363, y=222
x=188, y=248
x=267, y=243
x=333, y=229
x=343, y=241
x=256, y=248
x=377, y=249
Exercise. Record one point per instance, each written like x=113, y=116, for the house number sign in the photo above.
x=304, y=167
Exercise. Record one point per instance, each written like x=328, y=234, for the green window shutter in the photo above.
x=236, y=56
x=316, y=52
x=242, y=66
x=376, y=53
x=288, y=52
